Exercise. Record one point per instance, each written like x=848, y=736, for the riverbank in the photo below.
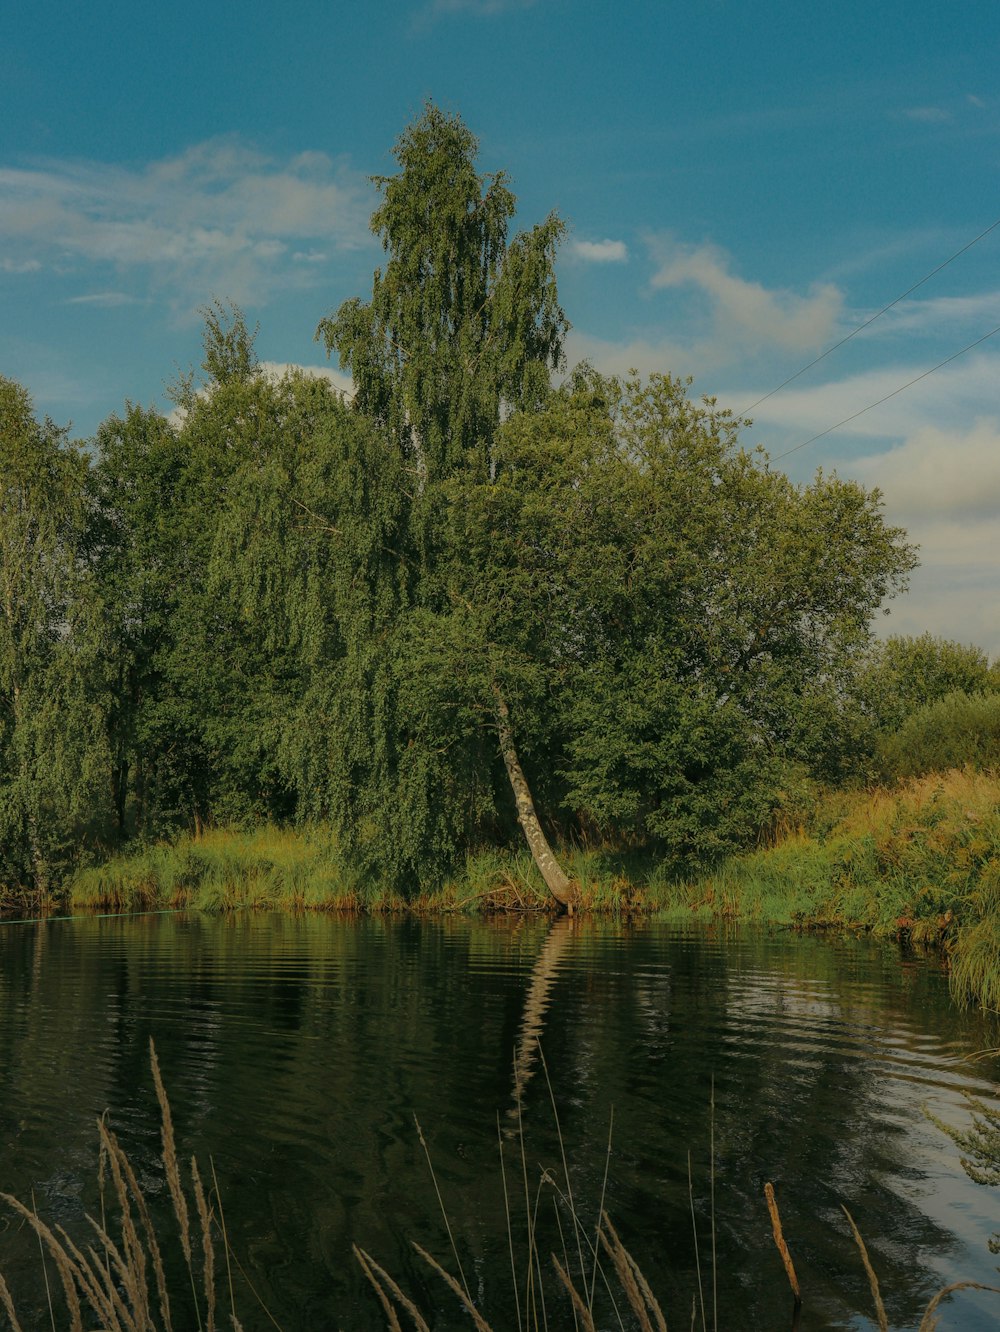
x=920, y=862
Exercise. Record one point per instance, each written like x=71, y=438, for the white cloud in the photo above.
x=930, y=315
x=22, y=266
x=645, y=354
x=941, y=475
x=942, y=486
x=219, y=217
x=276, y=370
x=932, y=448
x=956, y=602
x=106, y=299
x=744, y=312
x=599, y=252
x=948, y=399
x=927, y=115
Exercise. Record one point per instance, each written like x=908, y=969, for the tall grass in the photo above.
x=921, y=860
x=224, y=869
x=125, y=1274
x=119, y=1273
x=593, y=1269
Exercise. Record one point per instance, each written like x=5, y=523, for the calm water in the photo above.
x=297, y=1051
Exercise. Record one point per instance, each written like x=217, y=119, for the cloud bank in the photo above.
x=943, y=486
x=219, y=217
x=747, y=311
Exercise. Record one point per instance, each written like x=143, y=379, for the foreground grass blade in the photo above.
x=883, y=1321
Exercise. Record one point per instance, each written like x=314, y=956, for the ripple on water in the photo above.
x=299, y=1050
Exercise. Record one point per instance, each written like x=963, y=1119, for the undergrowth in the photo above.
x=920, y=861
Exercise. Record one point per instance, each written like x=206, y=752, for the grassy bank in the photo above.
x=921, y=861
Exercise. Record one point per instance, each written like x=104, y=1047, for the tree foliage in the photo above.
x=904, y=673
x=462, y=323
x=467, y=600
x=50, y=741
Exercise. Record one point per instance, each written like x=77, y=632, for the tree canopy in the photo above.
x=477, y=602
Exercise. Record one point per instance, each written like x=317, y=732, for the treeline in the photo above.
x=467, y=600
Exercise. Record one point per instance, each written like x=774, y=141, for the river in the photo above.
x=300, y=1052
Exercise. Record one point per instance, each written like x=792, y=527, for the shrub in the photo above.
x=959, y=730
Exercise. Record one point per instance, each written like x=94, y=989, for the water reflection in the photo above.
x=536, y=1000
x=297, y=1051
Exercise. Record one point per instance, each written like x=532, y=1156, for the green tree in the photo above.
x=132, y=545
x=675, y=621
x=594, y=585
x=463, y=324
x=181, y=667
x=50, y=731
x=902, y=674
x=463, y=327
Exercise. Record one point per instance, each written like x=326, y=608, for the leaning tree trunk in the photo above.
x=561, y=888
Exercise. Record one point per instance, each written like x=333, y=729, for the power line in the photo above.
x=861, y=327
x=895, y=392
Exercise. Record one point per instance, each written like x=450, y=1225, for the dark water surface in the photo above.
x=297, y=1051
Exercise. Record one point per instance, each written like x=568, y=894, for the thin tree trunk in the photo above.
x=561, y=888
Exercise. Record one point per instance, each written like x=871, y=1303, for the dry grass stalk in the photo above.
x=548, y=1180
x=418, y=1319
x=62, y=1261
x=779, y=1239
x=579, y=1306
x=8, y=1307
x=207, y=1248
x=634, y=1284
x=114, y=1262
x=477, y=1318
x=510, y=1229
x=147, y=1222
x=537, y=1284
x=170, y=1156
x=113, y=1280
x=531, y=1298
x=444, y=1210
x=45, y=1270
x=562, y=1153
x=134, y=1255
x=225, y=1240
x=697, y=1249
x=90, y=1272
x=928, y=1323
x=883, y=1321
x=367, y=1263
x=596, y=1247
x=627, y=1279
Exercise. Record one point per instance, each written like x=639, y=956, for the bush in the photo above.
x=957, y=731
x=904, y=674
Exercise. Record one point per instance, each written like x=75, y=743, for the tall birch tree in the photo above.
x=463, y=326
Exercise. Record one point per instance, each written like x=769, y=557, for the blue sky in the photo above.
x=744, y=183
